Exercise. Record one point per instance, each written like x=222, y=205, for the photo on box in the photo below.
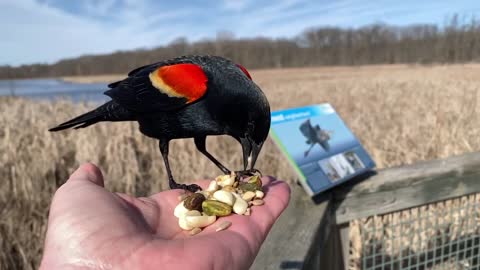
x=319, y=146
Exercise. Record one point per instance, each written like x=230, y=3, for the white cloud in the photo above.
x=35, y=31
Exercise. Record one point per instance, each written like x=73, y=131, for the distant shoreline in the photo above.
x=107, y=78
x=327, y=71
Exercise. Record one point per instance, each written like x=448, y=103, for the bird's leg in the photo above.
x=200, y=144
x=308, y=151
x=171, y=182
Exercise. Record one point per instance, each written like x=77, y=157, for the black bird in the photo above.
x=188, y=97
x=314, y=135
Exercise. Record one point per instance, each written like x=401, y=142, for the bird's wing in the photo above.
x=161, y=86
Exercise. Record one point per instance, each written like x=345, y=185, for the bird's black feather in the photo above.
x=232, y=105
x=109, y=111
x=138, y=94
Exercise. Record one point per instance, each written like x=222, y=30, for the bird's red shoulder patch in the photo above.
x=180, y=80
x=244, y=70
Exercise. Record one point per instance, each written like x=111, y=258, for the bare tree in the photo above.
x=458, y=40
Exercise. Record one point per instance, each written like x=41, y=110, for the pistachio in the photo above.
x=216, y=208
x=259, y=194
x=180, y=210
x=257, y=202
x=244, y=186
x=224, y=196
x=222, y=226
x=213, y=186
x=240, y=205
x=256, y=180
x=194, y=201
x=195, y=231
x=225, y=180
x=229, y=188
x=248, y=196
x=200, y=221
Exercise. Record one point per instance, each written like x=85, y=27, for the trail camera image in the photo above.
x=315, y=135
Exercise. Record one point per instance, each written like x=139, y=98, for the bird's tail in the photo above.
x=110, y=111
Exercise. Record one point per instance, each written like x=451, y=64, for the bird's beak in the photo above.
x=247, y=150
x=250, y=152
x=255, y=151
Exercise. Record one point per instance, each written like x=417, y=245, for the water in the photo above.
x=54, y=89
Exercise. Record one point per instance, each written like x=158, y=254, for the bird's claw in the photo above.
x=251, y=172
x=192, y=187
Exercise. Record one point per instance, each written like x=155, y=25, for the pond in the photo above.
x=54, y=89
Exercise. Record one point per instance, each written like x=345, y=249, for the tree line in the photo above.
x=456, y=42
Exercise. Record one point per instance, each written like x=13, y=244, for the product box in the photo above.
x=319, y=146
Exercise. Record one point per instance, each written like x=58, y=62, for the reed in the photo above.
x=402, y=114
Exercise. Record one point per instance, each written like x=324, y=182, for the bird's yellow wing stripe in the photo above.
x=180, y=80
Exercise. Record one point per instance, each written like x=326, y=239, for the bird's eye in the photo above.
x=244, y=70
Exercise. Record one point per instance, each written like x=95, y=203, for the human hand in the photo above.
x=90, y=227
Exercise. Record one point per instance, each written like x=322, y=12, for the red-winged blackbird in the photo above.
x=188, y=97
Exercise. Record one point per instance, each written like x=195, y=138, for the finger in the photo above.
x=167, y=200
x=88, y=172
x=255, y=227
x=277, y=196
x=246, y=233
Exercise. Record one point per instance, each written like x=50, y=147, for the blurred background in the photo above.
x=402, y=74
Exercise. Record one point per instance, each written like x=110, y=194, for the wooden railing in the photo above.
x=313, y=234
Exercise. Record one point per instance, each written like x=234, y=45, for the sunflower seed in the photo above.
x=257, y=202
x=195, y=231
x=222, y=226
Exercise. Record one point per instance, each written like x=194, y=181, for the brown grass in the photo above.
x=402, y=114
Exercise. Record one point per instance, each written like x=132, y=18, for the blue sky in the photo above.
x=46, y=31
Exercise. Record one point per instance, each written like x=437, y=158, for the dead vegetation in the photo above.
x=402, y=114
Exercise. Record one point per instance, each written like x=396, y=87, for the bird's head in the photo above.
x=257, y=121
x=255, y=135
x=244, y=108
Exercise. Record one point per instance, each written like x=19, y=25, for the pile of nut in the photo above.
x=225, y=195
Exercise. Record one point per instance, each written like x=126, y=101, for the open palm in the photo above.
x=92, y=228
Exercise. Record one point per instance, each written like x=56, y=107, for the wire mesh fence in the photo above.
x=441, y=235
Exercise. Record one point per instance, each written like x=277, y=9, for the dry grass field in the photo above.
x=402, y=114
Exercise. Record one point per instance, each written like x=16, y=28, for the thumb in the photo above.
x=88, y=172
